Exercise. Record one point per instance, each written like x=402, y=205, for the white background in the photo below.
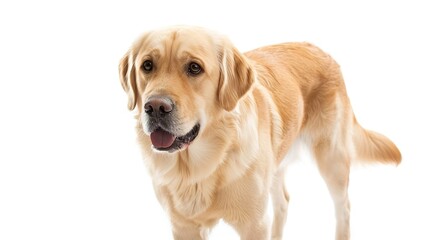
x=70, y=167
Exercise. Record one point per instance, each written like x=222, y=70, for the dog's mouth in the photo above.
x=165, y=141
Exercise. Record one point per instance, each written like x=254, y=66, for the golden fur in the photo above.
x=252, y=109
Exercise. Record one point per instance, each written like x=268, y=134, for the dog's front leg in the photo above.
x=189, y=231
x=256, y=228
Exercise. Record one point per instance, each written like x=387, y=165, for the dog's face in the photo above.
x=178, y=79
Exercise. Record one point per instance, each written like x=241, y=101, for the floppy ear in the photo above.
x=127, y=75
x=236, y=78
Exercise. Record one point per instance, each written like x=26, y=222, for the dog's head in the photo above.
x=180, y=78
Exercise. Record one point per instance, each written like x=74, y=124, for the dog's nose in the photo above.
x=158, y=106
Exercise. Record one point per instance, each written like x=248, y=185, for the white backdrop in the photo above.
x=69, y=163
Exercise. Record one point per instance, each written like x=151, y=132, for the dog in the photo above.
x=217, y=128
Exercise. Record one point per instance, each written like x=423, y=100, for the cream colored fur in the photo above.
x=252, y=108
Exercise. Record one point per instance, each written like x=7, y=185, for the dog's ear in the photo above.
x=127, y=75
x=236, y=77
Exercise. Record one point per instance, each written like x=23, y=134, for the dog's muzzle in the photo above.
x=161, y=125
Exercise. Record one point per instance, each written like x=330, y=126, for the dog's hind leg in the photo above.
x=280, y=199
x=334, y=166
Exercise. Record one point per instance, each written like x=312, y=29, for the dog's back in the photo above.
x=301, y=72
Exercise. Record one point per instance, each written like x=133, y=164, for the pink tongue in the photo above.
x=162, y=139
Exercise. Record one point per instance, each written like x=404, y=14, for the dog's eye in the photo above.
x=147, y=66
x=194, y=68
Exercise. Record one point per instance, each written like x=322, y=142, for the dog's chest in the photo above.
x=192, y=199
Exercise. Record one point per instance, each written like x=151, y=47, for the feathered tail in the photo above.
x=374, y=147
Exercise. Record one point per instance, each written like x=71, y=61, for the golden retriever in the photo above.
x=217, y=127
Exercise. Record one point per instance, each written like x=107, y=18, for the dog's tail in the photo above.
x=371, y=147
